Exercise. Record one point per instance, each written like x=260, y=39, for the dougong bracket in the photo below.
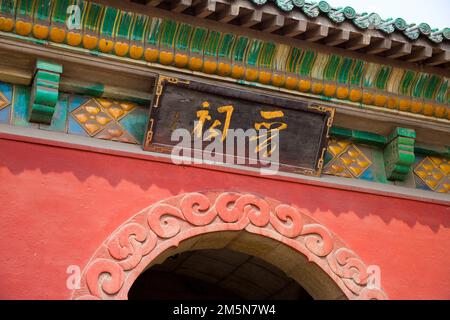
x=44, y=93
x=399, y=154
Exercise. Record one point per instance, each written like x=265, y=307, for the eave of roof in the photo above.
x=363, y=20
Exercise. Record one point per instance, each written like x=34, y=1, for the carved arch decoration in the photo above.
x=135, y=244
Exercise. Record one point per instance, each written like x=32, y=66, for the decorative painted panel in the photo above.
x=81, y=115
x=346, y=160
x=100, y=118
x=5, y=102
x=296, y=131
x=433, y=173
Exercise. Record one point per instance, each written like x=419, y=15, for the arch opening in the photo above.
x=215, y=274
x=263, y=227
x=240, y=264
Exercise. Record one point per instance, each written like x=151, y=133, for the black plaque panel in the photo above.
x=302, y=142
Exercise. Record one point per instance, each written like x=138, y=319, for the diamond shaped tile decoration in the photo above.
x=91, y=117
x=337, y=168
x=103, y=118
x=117, y=110
x=337, y=147
x=355, y=160
x=444, y=186
x=348, y=160
x=435, y=173
x=3, y=101
x=115, y=132
x=442, y=163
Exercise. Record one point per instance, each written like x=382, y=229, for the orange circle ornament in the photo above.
x=195, y=63
x=439, y=111
x=392, y=102
x=136, y=52
x=224, y=69
x=151, y=55
x=210, y=67
x=23, y=28
x=317, y=88
x=342, y=93
x=278, y=79
x=90, y=42
x=105, y=45
x=304, y=85
x=181, y=60
x=251, y=74
x=416, y=106
x=166, y=57
x=237, y=72
x=40, y=31
x=73, y=39
x=329, y=90
x=367, y=98
x=291, y=83
x=57, y=35
x=6, y=24
x=404, y=105
x=380, y=100
x=355, y=95
x=428, y=109
x=121, y=48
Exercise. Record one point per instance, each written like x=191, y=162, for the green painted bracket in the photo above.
x=44, y=92
x=356, y=136
x=432, y=150
x=399, y=154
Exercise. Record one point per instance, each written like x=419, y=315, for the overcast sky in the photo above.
x=434, y=12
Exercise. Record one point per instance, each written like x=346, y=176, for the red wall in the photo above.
x=58, y=205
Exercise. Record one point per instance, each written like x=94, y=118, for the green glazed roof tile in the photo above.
x=363, y=20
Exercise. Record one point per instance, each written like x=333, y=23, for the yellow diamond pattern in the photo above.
x=337, y=168
x=100, y=118
x=337, y=147
x=3, y=101
x=115, y=109
x=435, y=173
x=91, y=117
x=348, y=160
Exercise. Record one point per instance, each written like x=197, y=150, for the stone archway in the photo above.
x=146, y=236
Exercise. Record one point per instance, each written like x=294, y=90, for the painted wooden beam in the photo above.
x=180, y=5
x=144, y=2
x=229, y=13
x=205, y=8
x=438, y=59
x=316, y=34
x=273, y=23
x=358, y=42
x=294, y=29
x=337, y=38
x=15, y=75
x=378, y=46
x=420, y=54
x=251, y=19
x=432, y=150
x=399, y=51
x=153, y=3
x=95, y=89
x=357, y=136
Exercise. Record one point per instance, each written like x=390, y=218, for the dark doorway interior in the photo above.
x=215, y=274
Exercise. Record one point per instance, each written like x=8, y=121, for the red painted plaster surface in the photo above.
x=58, y=205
